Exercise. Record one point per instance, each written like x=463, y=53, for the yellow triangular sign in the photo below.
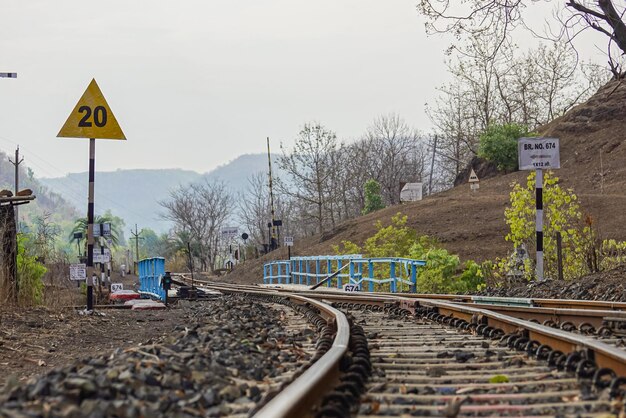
x=473, y=178
x=92, y=118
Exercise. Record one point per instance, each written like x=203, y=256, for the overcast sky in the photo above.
x=195, y=83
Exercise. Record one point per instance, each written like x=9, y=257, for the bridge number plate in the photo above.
x=116, y=287
x=538, y=153
x=92, y=118
x=351, y=287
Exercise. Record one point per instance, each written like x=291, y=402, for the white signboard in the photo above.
x=289, y=241
x=78, y=271
x=473, y=178
x=116, y=287
x=230, y=232
x=99, y=257
x=538, y=153
x=351, y=287
x=106, y=230
x=411, y=192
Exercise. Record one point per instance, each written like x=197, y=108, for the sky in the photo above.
x=194, y=84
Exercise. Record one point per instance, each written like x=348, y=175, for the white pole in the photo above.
x=539, y=222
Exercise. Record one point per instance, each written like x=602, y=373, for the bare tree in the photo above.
x=309, y=167
x=397, y=155
x=200, y=209
x=497, y=19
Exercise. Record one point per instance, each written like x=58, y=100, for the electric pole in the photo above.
x=135, y=235
x=17, y=163
x=432, y=168
x=273, y=239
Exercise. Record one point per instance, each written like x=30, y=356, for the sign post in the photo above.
x=91, y=118
x=288, y=243
x=537, y=154
x=474, y=181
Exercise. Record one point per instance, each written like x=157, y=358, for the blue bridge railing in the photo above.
x=370, y=274
x=151, y=270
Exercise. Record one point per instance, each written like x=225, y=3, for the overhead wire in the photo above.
x=66, y=188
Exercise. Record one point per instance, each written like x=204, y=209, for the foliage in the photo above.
x=498, y=143
x=30, y=273
x=117, y=224
x=373, y=198
x=561, y=214
x=441, y=274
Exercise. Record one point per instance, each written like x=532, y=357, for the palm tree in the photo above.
x=80, y=226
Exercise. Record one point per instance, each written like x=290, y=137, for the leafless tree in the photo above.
x=497, y=19
x=309, y=168
x=200, y=209
x=397, y=155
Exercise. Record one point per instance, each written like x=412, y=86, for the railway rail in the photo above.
x=450, y=356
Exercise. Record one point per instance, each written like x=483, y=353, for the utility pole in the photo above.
x=273, y=238
x=136, y=237
x=17, y=163
x=432, y=168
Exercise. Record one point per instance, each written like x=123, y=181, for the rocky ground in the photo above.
x=607, y=285
x=217, y=351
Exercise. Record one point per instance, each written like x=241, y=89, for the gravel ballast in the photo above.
x=218, y=362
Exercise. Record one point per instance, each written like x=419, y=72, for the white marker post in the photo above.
x=538, y=154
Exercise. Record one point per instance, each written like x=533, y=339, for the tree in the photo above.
x=499, y=144
x=200, y=209
x=117, y=224
x=561, y=214
x=45, y=233
x=373, y=199
x=496, y=20
x=397, y=155
x=309, y=168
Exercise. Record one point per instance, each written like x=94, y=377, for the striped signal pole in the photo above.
x=539, y=221
x=91, y=274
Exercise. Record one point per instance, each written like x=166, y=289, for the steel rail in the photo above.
x=297, y=399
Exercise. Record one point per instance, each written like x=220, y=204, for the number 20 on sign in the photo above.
x=92, y=117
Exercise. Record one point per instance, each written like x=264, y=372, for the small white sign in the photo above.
x=106, y=230
x=473, y=178
x=116, y=287
x=289, y=241
x=351, y=287
x=474, y=186
x=411, y=192
x=230, y=233
x=78, y=271
x=538, y=153
x=99, y=257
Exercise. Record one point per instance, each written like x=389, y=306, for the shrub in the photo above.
x=373, y=198
x=499, y=144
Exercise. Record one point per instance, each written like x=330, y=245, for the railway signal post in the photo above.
x=538, y=154
x=91, y=118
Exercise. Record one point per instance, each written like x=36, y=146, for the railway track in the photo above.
x=433, y=357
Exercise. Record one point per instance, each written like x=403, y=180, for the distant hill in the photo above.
x=134, y=194
x=46, y=201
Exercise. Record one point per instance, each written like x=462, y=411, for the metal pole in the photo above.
x=273, y=239
x=539, y=221
x=559, y=254
x=432, y=168
x=90, y=215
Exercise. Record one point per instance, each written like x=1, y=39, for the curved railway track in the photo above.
x=407, y=355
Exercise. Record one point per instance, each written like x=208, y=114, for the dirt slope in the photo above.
x=593, y=161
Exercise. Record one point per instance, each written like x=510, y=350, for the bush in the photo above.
x=29, y=273
x=373, y=198
x=499, y=144
x=439, y=275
